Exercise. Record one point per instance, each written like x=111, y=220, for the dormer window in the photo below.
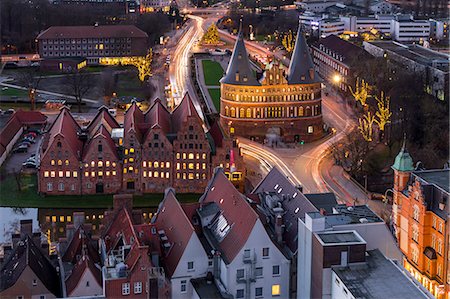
x=237, y=76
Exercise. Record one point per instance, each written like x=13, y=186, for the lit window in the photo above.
x=59, y=162
x=167, y=175
x=92, y=163
x=114, y=172
x=150, y=174
x=191, y=156
x=60, y=174
x=191, y=176
x=69, y=218
x=67, y=162
x=126, y=151
x=156, y=174
x=100, y=173
x=114, y=164
x=144, y=164
x=197, y=156
x=100, y=164
x=276, y=290
x=54, y=218
x=178, y=166
x=108, y=163
x=61, y=218
x=167, y=164
x=131, y=160
x=75, y=174
x=93, y=174
x=144, y=173
x=203, y=165
x=191, y=165
x=86, y=173
x=46, y=174
x=184, y=155
x=156, y=164
x=197, y=166
x=131, y=150
x=310, y=129
x=178, y=175
x=86, y=165
x=67, y=174
x=203, y=156
x=108, y=173
x=52, y=162
x=178, y=155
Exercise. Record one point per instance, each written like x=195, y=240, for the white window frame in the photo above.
x=183, y=286
x=126, y=288
x=137, y=287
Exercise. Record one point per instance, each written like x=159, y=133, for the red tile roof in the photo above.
x=103, y=117
x=217, y=134
x=78, y=270
x=184, y=110
x=31, y=117
x=102, y=31
x=104, y=134
x=81, y=239
x=10, y=130
x=158, y=116
x=236, y=210
x=177, y=227
x=133, y=118
x=66, y=126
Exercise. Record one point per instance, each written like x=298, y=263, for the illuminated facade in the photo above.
x=282, y=103
x=109, y=42
x=420, y=213
x=151, y=152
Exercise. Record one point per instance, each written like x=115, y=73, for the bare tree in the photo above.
x=109, y=84
x=30, y=80
x=78, y=83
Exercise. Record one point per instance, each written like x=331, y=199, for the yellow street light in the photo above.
x=337, y=78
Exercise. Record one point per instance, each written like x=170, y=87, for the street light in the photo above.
x=337, y=78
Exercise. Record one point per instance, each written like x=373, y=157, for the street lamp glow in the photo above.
x=337, y=78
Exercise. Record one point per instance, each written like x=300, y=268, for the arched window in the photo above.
x=227, y=111
x=233, y=112
x=308, y=111
x=59, y=144
x=249, y=113
x=300, y=111
x=241, y=113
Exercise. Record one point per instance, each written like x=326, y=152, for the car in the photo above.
x=35, y=130
x=24, y=142
x=29, y=164
x=31, y=140
x=31, y=159
x=20, y=149
x=9, y=111
x=33, y=134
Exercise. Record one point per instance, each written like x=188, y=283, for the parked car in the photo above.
x=35, y=130
x=20, y=149
x=31, y=159
x=26, y=143
x=9, y=111
x=29, y=164
x=26, y=139
x=33, y=134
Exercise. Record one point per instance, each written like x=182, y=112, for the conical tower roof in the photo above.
x=403, y=161
x=239, y=71
x=301, y=69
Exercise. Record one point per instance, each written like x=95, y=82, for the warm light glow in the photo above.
x=276, y=290
x=337, y=78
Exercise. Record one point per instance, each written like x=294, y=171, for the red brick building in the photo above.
x=283, y=104
x=154, y=150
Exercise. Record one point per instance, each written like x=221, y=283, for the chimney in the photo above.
x=26, y=227
x=279, y=228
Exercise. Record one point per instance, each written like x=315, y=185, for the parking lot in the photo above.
x=14, y=162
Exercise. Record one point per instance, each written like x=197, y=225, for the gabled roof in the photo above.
x=133, y=117
x=81, y=241
x=103, y=117
x=158, y=116
x=235, y=209
x=217, y=134
x=301, y=69
x=83, y=265
x=184, y=110
x=102, y=132
x=120, y=226
x=101, y=31
x=239, y=64
x=177, y=227
x=66, y=126
x=347, y=50
x=8, y=132
x=31, y=117
x=295, y=204
x=26, y=253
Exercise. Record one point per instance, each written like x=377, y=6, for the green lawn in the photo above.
x=13, y=92
x=215, y=96
x=212, y=72
x=29, y=198
x=129, y=85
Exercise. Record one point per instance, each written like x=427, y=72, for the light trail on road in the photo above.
x=258, y=152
